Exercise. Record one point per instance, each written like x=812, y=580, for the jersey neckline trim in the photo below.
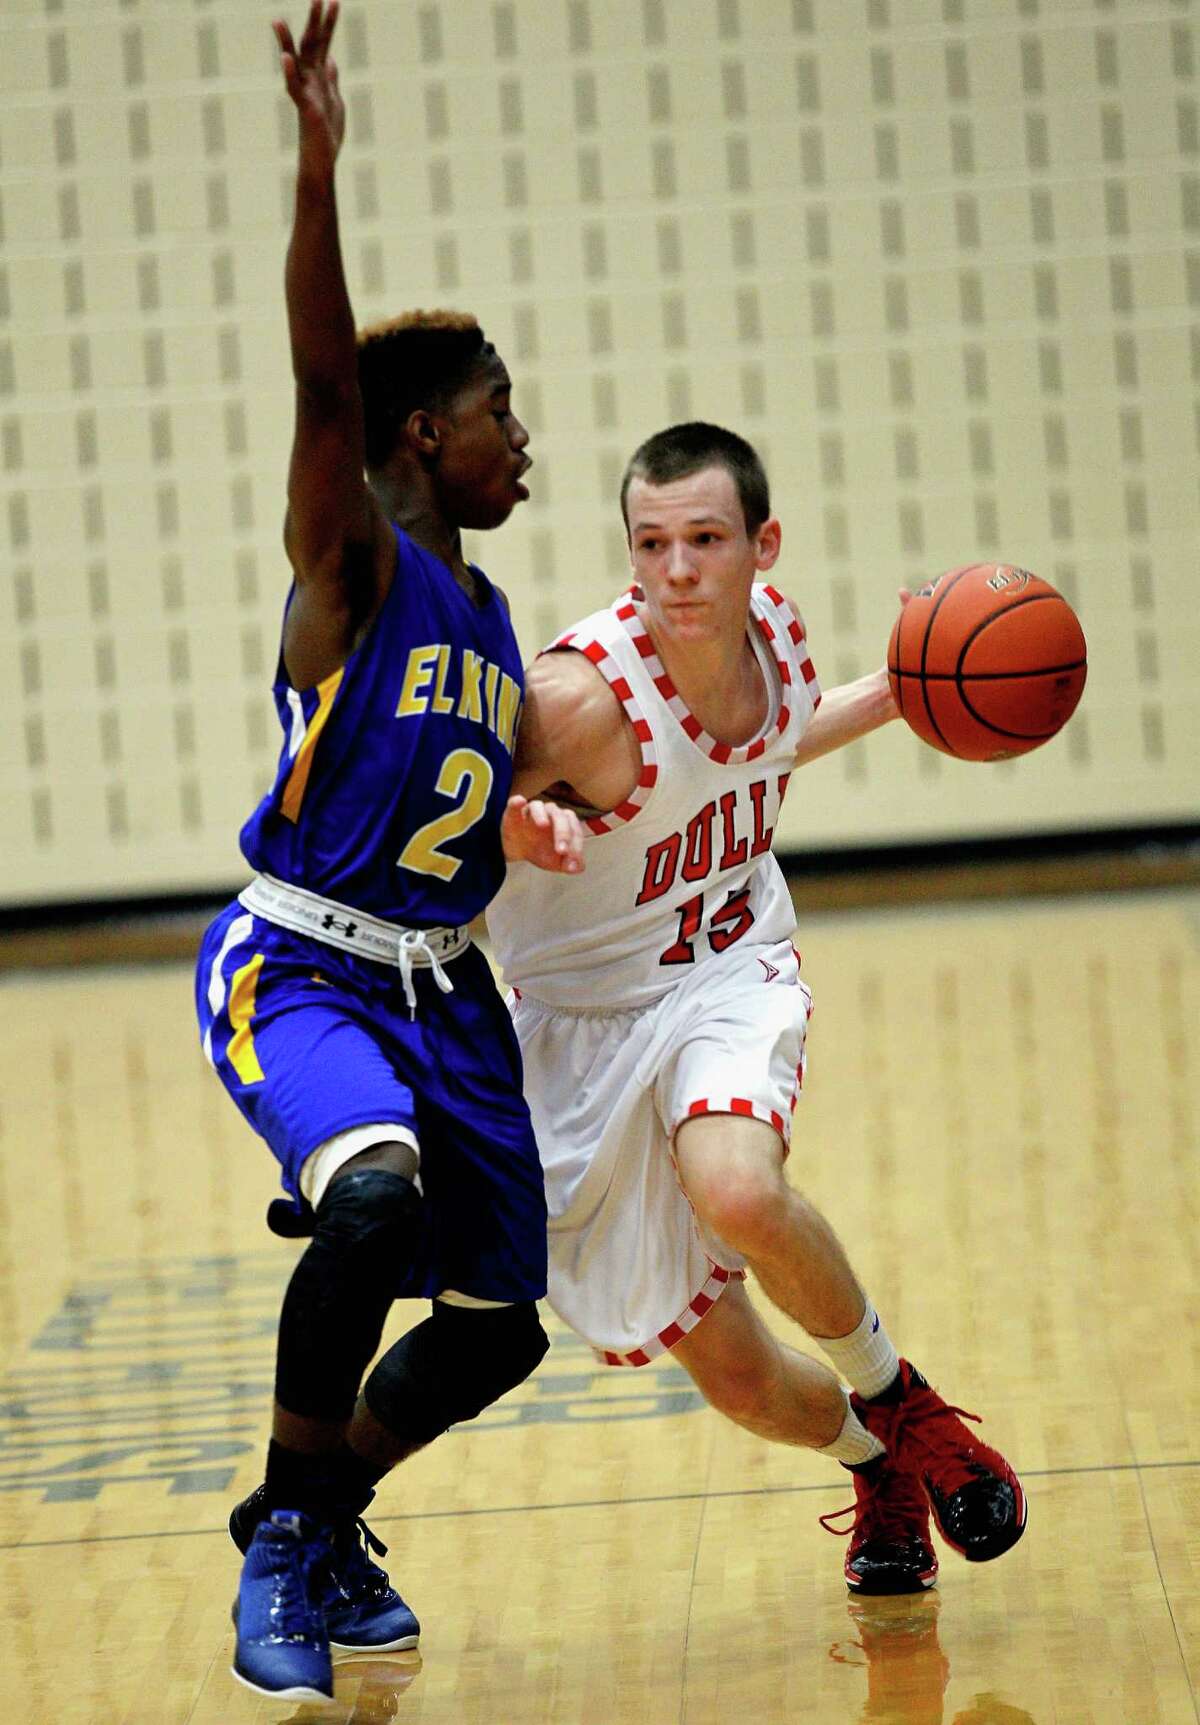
x=725, y=754
x=624, y=610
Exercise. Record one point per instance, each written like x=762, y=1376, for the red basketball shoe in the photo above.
x=976, y=1498
x=889, y=1549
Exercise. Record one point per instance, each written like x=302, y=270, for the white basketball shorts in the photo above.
x=632, y=1269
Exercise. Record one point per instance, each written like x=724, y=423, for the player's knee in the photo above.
x=367, y=1228
x=734, y=1365
x=452, y=1366
x=744, y=1204
x=366, y=1211
x=341, y=1289
x=740, y=1391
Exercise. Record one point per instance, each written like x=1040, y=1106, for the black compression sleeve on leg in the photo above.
x=452, y=1366
x=341, y=1290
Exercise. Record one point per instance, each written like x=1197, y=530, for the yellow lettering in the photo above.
x=417, y=674
x=467, y=777
x=441, y=702
x=508, y=707
x=489, y=694
x=469, y=703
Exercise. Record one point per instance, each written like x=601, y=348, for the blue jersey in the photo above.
x=396, y=769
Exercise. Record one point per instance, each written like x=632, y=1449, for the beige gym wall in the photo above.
x=939, y=259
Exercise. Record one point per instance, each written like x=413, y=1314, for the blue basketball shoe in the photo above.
x=363, y=1611
x=282, y=1642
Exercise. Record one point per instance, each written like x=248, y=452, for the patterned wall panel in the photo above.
x=939, y=259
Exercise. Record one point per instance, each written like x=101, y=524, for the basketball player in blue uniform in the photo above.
x=340, y=998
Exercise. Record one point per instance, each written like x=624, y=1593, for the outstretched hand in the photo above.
x=545, y=834
x=311, y=77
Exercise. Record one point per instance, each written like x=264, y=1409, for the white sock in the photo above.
x=865, y=1358
x=854, y=1443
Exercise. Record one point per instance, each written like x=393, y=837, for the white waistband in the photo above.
x=324, y=919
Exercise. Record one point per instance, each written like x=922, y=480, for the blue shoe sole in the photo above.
x=402, y=1644
x=300, y=1692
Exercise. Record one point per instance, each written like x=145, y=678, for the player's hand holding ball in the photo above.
x=986, y=662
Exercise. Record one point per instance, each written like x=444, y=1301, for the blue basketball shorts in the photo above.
x=311, y=1041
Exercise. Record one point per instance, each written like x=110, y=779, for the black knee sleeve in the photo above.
x=340, y=1291
x=453, y=1366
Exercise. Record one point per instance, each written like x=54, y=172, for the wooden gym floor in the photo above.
x=1001, y=1120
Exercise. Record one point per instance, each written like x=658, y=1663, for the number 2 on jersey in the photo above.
x=422, y=853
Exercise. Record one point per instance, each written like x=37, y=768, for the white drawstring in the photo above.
x=411, y=946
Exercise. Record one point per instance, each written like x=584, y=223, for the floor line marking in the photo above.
x=581, y=1503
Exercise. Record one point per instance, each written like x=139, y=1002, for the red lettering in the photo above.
x=762, y=832
x=731, y=921
x=690, y=915
x=697, y=854
x=733, y=853
x=662, y=859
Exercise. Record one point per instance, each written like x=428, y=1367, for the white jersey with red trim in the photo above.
x=679, y=873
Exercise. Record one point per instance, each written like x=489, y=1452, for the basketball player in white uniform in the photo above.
x=661, y=1013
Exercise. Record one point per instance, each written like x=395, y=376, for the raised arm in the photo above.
x=337, y=536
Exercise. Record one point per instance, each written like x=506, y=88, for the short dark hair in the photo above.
x=685, y=449
x=421, y=359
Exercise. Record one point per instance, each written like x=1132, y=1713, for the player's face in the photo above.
x=482, y=458
x=692, y=556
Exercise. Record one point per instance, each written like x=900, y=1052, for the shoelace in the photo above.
x=827, y=1521
x=411, y=946
x=353, y=1556
x=881, y=1513
x=915, y=1411
x=294, y=1589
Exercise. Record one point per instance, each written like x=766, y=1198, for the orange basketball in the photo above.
x=987, y=662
